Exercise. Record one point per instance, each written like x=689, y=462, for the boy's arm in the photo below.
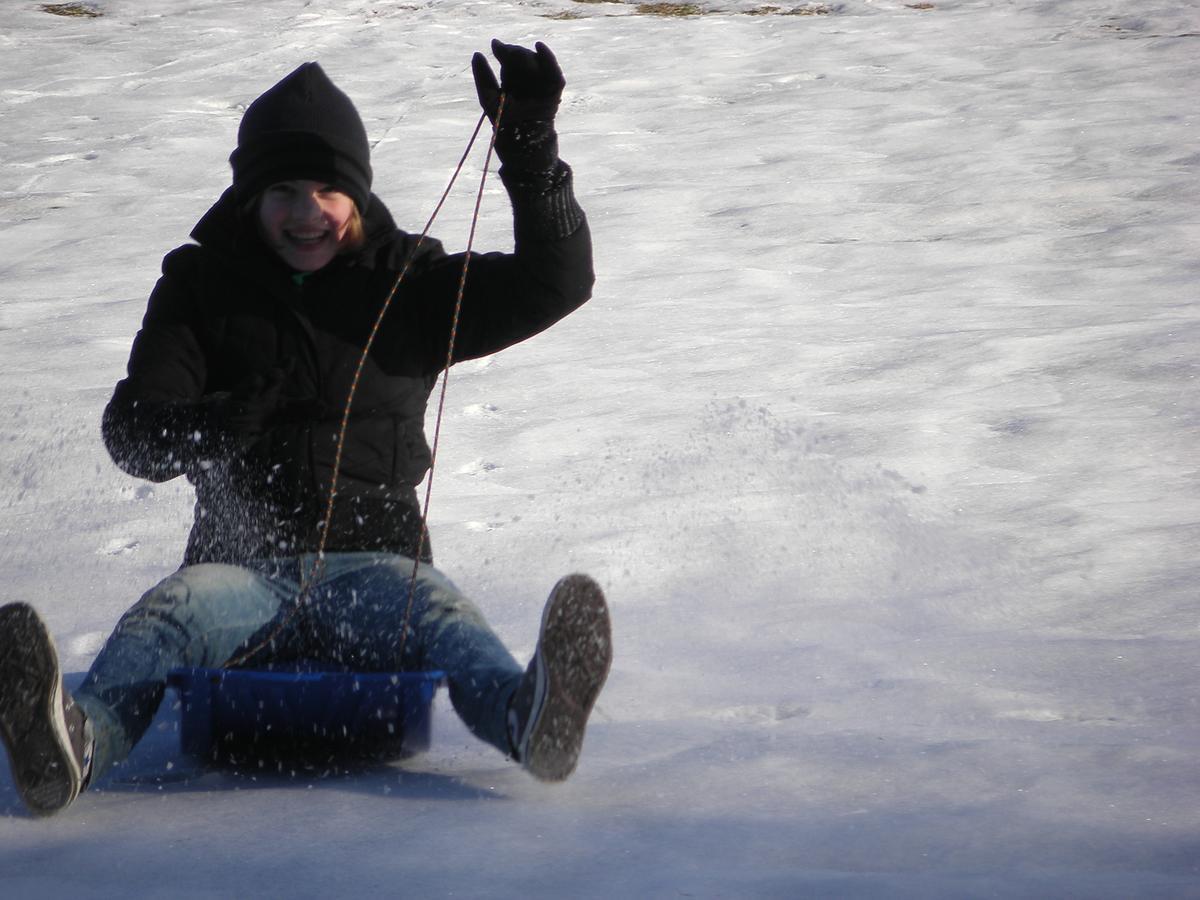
x=512, y=296
x=159, y=423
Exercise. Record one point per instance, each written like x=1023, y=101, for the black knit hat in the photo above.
x=303, y=127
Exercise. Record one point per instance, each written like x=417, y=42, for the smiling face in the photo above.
x=305, y=222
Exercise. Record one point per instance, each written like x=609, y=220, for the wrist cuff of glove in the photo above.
x=527, y=146
x=544, y=204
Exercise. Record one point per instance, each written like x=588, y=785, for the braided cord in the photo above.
x=437, y=426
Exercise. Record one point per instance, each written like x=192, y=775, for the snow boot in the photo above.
x=550, y=707
x=44, y=731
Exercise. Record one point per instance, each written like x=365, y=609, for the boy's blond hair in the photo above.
x=356, y=233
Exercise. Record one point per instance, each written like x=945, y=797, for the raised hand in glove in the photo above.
x=532, y=83
x=530, y=79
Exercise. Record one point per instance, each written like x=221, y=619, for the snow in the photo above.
x=880, y=432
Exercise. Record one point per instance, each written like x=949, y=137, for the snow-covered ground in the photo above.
x=881, y=431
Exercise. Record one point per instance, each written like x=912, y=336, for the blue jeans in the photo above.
x=205, y=614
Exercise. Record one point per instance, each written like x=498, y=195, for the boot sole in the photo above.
x=575, y=645
x=32, y=722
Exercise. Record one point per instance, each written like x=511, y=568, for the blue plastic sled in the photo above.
x=241, y=716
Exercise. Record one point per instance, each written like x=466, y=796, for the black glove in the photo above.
x=162, y=439
x=531, y=80
x=244, y=413
x=532, y=83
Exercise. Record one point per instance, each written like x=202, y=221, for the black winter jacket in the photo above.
x=226, y=309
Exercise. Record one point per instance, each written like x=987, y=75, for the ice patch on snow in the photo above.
x=85, y=645
x=119, y=547
x=476, y=467
x=480, y=410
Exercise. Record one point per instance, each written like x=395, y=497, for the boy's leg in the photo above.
x=197, y=617
x=537, y=715
x=357, y=615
